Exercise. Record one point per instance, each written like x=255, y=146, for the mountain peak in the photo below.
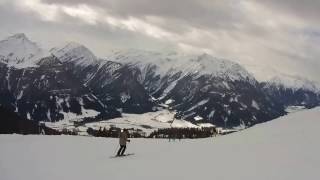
x=18, y=36
x=17, y=50
x=295, y=82
x=72, y=45
x=167, y=61
x=74, y=52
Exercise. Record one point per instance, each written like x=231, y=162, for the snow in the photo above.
x=167, y=62
x=124, y=97
x=20, y=95
x=20, y=52
x=211, y=114
x=295, y=83
x=8, y=78
x=169, y=101
x=283, y=149
x=70, y=117
x=168, y=89
x=292, y=109
x=74, y=52
x=205, y=125
x=198, y=118
x=48, y=115
x=255, y=105
x=203, y=102
x=28, y=116
x=147, y=122
x=225, y=84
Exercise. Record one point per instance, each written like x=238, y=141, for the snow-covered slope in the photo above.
x=111, y=82
x=147, y=122
x=174, y=62
x=19, y=51
x=24, y=71
x=74, y=53
x=48, y=93
x=294, y=83
x=200, y=87
x=115, y=85
x=293, y=91
x=218, y=90
x=284, y=149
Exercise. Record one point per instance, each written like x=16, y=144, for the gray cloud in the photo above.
x=307, y=10
x=264, y=36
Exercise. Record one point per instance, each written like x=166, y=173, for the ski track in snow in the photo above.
x=284, y=149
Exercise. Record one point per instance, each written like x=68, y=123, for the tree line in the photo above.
x=169, y=133
x=114, y=132
x=182, y=133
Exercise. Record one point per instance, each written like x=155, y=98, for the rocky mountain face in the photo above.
x=49, y=93
x=202, y=88
x=113, y=83
x=292, y=91
x=19, y=51
x=70, y=82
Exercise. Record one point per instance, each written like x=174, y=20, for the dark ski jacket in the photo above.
x=123, y=138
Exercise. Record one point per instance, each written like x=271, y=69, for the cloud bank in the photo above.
x=267, y=37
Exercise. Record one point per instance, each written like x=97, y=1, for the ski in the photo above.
x=116, y=156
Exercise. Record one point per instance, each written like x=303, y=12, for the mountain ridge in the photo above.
x=200, y=88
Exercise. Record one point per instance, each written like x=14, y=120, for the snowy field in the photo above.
x=147, y=122
x=152, y=120
x=284, y=149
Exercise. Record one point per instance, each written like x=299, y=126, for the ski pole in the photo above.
x=117, y=147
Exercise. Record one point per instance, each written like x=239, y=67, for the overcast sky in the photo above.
x=267, y=37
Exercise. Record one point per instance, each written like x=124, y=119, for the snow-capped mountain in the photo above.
x=216, y=90
x=294, y=83
x=74, y=53
x=159, y=71
x=284, y=149
x=78, y=59
x=49, y=93
x=19, y=51
x=293, y=91
x=171, y=62
x=113, y=83
x=71, y=82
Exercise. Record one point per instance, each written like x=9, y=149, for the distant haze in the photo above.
x=267, y=37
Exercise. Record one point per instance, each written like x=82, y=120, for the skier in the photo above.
x=123, y=139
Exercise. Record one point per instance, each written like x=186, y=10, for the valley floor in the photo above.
x=147, y=122
x=284, y=149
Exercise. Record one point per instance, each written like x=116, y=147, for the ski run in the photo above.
x=286, y=148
